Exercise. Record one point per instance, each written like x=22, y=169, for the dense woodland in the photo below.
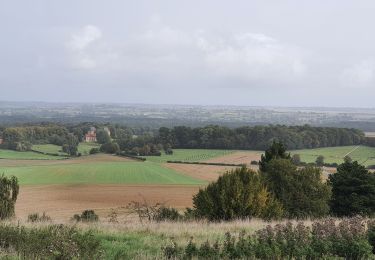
x=144, y=140
x=259, y=137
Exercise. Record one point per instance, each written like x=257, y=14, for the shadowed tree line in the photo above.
x=259, y=137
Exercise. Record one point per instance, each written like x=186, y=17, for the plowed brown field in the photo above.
x=63, y=201
x=202, y=172
x=241, y=157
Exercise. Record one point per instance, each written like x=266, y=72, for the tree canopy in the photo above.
x=353, y=190
x=276, y=151
x=238, y=194
x=301, y=191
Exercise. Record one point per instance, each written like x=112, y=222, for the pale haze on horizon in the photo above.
x=253, y=53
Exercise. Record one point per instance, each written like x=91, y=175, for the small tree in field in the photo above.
x=8, y=195
x=276, y=151
x=319, y=160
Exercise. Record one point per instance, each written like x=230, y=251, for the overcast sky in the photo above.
x=288, y=53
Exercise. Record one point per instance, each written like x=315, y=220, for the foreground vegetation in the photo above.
x=327, y=238
x=279, y=190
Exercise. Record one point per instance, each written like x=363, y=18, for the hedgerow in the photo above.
x=349, y=239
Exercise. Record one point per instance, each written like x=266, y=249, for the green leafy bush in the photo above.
x=164, y=213
x=94, y=150
x=353, y=190
x=9, y=189
x=301, y=191
x=110, y=148
x=49, y=242
x=347, y=239
x=86, y=216
x=371, y=234
x=238, y=194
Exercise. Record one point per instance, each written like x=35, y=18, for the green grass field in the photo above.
x=89, y=172
x=48, y=148
x=188, y=155
x=363, y=154
x=148, y=172
x=99, y=172
x=14, y=155
x=83, y=148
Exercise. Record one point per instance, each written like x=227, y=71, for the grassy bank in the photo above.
x=135, y=240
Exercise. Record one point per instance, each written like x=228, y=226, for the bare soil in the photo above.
x=202, y=172
x=240, y=157
x=63, y=201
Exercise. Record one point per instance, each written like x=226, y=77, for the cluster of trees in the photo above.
x=258, y=137
x=146, y=150
x=281, y=189
x=146, y=141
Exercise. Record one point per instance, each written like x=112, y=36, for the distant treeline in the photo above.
x=22, y=137
x=146, y=141
x=259, y=137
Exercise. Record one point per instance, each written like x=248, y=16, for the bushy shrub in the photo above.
x=238, y=194
x=110, y=148
x=49, y=242
x=296, y=159
x=277, y=150
x=35, y=217
x=254, y=163
x=171, y=250
x=9, y=189
x=164, y=213
x=319, y=160
x=86, y=216
x=154, y=212
x=353, y=190
x=301, y=191
x=168, y=151
x=94, y=150
x=324, y=240
x=371, y=234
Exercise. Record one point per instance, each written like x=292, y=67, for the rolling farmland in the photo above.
x=61, y=187
x=363, y=154
x=13, y=155
x=102, y=170
x=83, y=148
x=188, y=155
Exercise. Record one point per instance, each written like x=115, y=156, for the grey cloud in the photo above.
x=247, y=53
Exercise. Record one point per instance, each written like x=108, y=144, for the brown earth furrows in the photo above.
x=240, y=157
x=198, y=171
x=63, y=201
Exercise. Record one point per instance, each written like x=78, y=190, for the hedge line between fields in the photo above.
x=44, y=153
x=207, y=163
x=138, y=158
